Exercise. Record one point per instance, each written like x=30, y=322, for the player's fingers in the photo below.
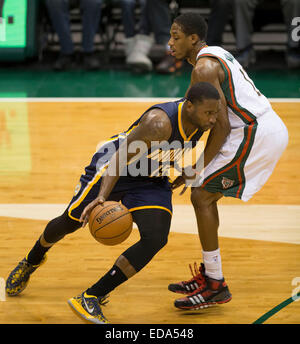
x=85, y=221
x=177, y=185
x=100, y=200
x=85, y=213
x=84, y=218
x=177, y=182
x=183, y=191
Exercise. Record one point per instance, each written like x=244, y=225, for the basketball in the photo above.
x=110, y=223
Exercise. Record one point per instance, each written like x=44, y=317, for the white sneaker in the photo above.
x=129, y=44
x=137, y=58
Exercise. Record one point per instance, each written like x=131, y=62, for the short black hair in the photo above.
x=192, y=23
x=202, y=90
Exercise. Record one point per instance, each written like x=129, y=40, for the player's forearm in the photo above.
x=107, y=184
x=110, y=176
x=116, y=165
x=215, y=142
x=213, y=145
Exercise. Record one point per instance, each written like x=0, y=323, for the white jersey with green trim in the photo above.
x=244, y=101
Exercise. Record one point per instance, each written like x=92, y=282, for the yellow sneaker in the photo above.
x=88, y=307
x=18, y=279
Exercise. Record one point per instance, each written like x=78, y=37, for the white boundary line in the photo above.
x=116, y=100
x=264, y=222
x=2, y=289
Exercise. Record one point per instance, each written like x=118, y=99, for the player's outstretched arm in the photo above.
x=209, y=70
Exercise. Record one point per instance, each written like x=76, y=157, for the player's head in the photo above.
x=188, y=33
x=202, y=105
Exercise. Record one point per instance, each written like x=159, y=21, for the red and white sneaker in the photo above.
x=210, y=292
x=188, y=287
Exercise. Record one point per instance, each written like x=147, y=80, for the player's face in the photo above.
x=205, y=113
x=179, y=43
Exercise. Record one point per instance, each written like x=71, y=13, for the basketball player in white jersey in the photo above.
x=240, y=155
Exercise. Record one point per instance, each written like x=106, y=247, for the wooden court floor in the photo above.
x=44, y=147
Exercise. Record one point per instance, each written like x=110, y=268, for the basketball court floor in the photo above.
x=45, y=145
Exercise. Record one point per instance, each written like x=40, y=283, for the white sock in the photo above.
x=213, y=264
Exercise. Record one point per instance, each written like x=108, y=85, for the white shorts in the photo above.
x=247, y=158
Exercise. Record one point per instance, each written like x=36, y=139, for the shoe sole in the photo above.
x=224, y=299
x=204, y=305
x=82, y=313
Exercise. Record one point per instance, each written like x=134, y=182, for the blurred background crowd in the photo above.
x=134, y=34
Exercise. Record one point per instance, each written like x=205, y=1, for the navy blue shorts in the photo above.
x=134, y=192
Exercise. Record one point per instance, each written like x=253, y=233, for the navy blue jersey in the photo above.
x=162, y=156
x=156, y=162
x=173, y=110
x=150, y=189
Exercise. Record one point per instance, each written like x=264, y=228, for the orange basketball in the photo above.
x=110, y=223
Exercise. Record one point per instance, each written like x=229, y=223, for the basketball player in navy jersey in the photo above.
x=147, y=197
x=241, y=153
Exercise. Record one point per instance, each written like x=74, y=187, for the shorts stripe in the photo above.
x=239, y=160
x=150, y=207
x=86, y=190
x=249, y=134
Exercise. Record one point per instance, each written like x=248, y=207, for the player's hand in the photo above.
x=187, y=179
x=84, y=218
x=177, y=183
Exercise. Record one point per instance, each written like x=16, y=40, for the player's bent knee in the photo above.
x=57, y=228
x=156, y=242
x=201, y=198
x=142, y=252
x=70, y=224
x=198, y=198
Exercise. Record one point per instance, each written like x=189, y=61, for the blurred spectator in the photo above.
x=60, y=18
x=220, y=11
x=291, y=10
x=129, y=23
x=243, y=13
x=155, y=18
x=243, y=18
